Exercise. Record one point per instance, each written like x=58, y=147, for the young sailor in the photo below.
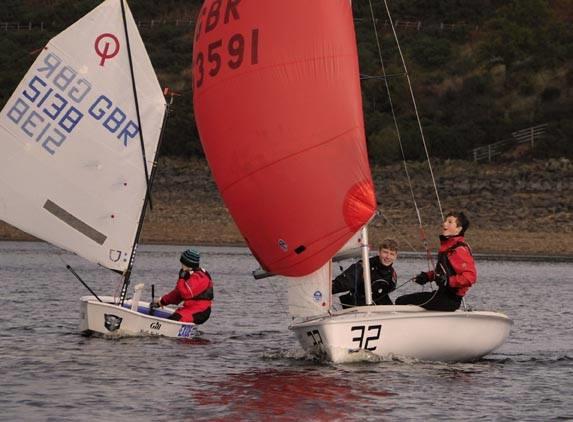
x=455, y=271
x=194, y=288
x=382, y=278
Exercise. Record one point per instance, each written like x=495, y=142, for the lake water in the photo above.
x=247, y=365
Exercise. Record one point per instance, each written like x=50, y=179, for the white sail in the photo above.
x=351, y=249
x=71, y=166
x=310, y=295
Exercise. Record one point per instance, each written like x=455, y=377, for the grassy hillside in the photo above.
x=480, y=69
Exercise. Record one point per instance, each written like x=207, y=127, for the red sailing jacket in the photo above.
x=458, y=262
x=196, y=293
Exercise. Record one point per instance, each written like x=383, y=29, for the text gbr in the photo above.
x=229, y=52
x=50, y=107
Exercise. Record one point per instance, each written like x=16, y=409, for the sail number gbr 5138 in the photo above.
x=231, y=52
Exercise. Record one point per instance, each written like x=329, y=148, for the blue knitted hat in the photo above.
x=190, y=258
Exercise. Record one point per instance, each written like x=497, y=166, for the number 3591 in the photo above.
x=238, y=48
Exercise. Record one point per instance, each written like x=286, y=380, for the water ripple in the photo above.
x=246, y=364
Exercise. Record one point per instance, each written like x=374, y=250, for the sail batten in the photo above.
x=71, y=139
x=284, y=134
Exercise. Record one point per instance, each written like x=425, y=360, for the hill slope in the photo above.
x=480, y=70
x=514, y=208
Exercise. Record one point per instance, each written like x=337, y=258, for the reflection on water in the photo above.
x=274, y=393
x=246, y=365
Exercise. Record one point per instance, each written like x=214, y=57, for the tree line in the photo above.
x=471, y=87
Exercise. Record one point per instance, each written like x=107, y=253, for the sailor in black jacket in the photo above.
x=382, y=276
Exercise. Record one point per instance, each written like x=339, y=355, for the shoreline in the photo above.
x=491, y=256
x=515, y=209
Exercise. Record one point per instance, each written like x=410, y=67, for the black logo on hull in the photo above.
x=112, y=322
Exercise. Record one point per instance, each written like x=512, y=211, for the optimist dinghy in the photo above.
x=80, y=135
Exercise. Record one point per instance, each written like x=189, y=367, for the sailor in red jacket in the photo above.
x=455, y=271
x=194, y=288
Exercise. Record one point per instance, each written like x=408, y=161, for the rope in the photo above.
x=279, y=302
x=387, y=294
x=396, y=128
x=402, y=285
x=413, y=100
x=402, y=237
x=422, y=233
x=430, y=299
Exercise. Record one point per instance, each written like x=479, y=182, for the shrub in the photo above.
x=550, y=94
x=431, y=52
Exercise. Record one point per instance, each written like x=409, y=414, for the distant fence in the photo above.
x=406, y=25
x=42, y=26
x=158, y=22
x=17, y=26
x=418, y=26
x=523, y=136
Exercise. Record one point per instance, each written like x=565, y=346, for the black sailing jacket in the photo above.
x=383, y=280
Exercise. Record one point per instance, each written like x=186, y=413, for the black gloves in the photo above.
x=184, y=274
x=422, y=278
x=441, y=280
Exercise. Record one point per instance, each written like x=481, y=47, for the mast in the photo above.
x=127, y=274
x=135, y=98
x=366, y=265
x=148, y=179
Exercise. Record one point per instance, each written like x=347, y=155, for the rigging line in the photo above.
x=434, y=293
x=402, y=236
x=398, y=287
x=397, y=129
x=278, y=302
x=414, y=103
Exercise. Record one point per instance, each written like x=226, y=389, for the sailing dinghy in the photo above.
x=80, y=136
x=279, y=110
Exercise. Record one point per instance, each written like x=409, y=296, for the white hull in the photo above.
x=113, y=320
x=403, y=331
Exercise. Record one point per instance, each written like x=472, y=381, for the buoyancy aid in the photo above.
x=206, y=294
x=196, y=293
x=444, y=265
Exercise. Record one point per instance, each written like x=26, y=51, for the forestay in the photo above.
x=71, y=167
x=279, y=111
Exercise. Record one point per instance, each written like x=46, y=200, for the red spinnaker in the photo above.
x=279, y=110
